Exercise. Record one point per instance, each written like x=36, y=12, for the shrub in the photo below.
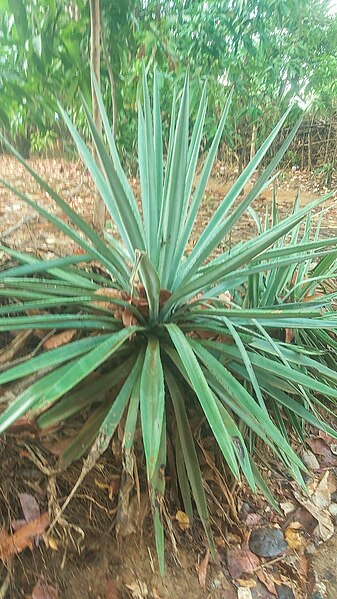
x=167, y=326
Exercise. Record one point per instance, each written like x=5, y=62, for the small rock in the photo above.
x=267, y=542
x=284, y=592
x=310, y=460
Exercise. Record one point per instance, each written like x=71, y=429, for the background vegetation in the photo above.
x=268, y=50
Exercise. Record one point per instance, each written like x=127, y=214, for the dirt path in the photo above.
x=74, y=184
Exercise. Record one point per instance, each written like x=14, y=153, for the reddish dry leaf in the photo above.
x=289, y=335
x=202, y=570
x=111, y=591
x=128, y=318
x=30, y=506
x=59, y=339
x=266, y=581
x=22, y=538
x=302, y=571
x=320, y=447
x=241, y=561
x=17, y=524
x=42, y=590
x=253, y=520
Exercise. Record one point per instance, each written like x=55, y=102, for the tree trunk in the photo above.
x=112, y=81
x=95, y=61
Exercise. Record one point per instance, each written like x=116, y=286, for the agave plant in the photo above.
x=161, y=324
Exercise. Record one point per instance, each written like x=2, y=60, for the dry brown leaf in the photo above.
x=22, y=538
x=30, y=506
x=287, y=507
x=128, y=318
x=289, y=336
x=59, y=339
x=53, y=543
x=42, y=590
x=266, y=581
x=244, y=593
x=247, y=583
x=202, y=569
x=111, y=591
x=293, y=538
x=241, y=561
x=315, y=505
x=321, y=448
x=138, y=589
x=183, y=520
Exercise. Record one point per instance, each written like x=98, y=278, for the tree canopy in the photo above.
x=268, y=50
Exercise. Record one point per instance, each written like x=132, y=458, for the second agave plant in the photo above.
x=171, y=328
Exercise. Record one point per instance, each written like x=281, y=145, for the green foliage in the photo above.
x=268, y=50
x=179, y=330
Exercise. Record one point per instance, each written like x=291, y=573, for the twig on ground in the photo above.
x=24, y=221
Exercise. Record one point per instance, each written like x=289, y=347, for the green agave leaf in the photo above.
x=152, y=403
x=247, y=251
x=182, y=477
x=216, y=229
x=173, y=204
x=114, y=154
x=204, y=394
x=59, y=321
x=54, y=385
x=104, y=426
x=130, y=428
x=151, y=283
x=51, y=358
x=38, y=266
x=72, y=215
x=148, y=173
x=116, y=199
x=87, y=394
x=243, y=398
x=113, y=264
x=200, y=189
x=189, y=452
x=157, y=490
x=60, y=273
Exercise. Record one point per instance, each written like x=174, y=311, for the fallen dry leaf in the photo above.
x=183, y=520
x=247, y=583
x=53, y=543
x=244, y=593
x=287, y=507
x=241, y=561
x=22, y=538
x=42, y=590
x=266, y=581
x=317, y=505
x=138, y=589
x=111, y=591
x=30, y=506
x=59, y=339
x=202, y=569
x=293, y=538
x=321, y=448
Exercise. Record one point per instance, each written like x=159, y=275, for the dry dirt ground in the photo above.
x=81, y=558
